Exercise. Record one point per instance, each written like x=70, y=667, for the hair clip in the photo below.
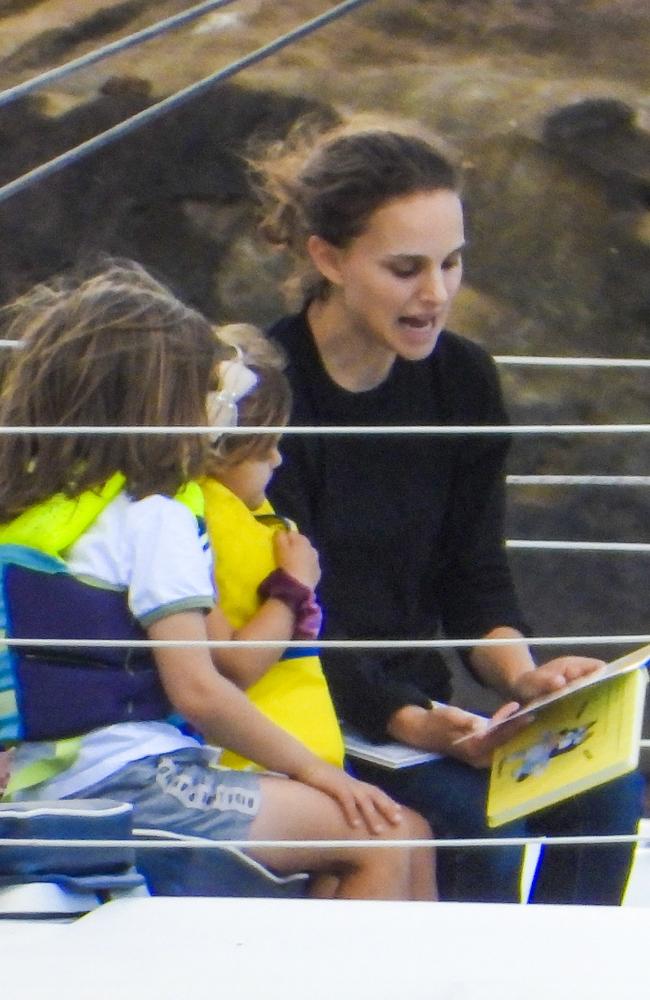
x=235, y=381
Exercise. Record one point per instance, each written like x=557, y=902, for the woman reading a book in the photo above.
x=410, y=526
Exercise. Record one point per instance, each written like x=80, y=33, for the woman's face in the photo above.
x=395, y=283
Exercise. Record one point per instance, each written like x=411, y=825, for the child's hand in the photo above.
x=362, y=804
x=295, y=554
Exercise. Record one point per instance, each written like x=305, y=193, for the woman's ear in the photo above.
x=326, y=258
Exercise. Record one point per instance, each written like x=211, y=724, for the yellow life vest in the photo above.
x=293, y=692
x=53, y=525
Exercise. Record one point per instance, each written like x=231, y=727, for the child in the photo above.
x=264, y=569
x=100, y=539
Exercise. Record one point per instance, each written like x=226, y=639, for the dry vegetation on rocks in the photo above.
x=546, y=103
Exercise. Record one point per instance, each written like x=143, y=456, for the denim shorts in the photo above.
x=182, y=793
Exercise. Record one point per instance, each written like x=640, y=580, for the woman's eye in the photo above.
x=452, y=262
x=406, y=271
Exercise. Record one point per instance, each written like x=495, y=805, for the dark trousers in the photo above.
x=452, y=796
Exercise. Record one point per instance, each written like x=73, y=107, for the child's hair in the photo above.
x=111, y=347
x=329, y=184
x=267, y=404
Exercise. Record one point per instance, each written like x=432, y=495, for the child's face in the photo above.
x=249, y=478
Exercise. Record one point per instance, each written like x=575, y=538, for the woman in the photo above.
x=410, y=526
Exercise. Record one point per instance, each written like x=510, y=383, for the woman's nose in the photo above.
x=433, y=287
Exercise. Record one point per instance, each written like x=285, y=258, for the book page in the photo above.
x=624, y=664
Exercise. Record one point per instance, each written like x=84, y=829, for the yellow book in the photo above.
x=579, y=738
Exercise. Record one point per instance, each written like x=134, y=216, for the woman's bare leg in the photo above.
x=291, y=811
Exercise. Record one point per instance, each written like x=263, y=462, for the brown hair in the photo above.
x=267, y=404
x=329, y=184
x=113, y=347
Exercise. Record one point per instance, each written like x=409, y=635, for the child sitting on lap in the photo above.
x=265, y=570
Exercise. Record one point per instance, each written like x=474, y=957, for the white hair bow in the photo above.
x=235, y=381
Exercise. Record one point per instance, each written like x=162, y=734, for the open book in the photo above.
x=581, y=736
x=391, y=754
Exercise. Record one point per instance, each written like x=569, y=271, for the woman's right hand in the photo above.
x=295, y=554
x=440, y=729
x=362, y=804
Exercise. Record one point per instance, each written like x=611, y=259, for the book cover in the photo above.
x=578, y=739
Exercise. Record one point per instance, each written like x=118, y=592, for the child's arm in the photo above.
x=225, y=716
x=274, y=619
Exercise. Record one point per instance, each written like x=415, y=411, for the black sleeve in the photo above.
x=365, y=693
x=365, y=688
x=474, y=583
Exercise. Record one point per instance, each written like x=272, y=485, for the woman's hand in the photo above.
x=440, y=729
x=295, y=554
x=553, y=676
x=362, y=804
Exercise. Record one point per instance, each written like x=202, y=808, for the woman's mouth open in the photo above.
x=418, y=327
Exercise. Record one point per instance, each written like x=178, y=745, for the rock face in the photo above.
x=173, y=194
x=543, y=100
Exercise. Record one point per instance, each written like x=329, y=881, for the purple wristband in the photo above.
x=298, y=597
x=285, y=588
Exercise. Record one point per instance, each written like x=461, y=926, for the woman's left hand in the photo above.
x=553, y=676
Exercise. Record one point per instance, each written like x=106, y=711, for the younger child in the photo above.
x=264, y=569
x=100, y=539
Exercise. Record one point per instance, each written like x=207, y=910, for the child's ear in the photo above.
x=326, y=258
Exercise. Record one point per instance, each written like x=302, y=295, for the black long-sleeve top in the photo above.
x=409, y=527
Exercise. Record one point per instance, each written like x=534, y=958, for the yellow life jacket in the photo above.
x=293, y=692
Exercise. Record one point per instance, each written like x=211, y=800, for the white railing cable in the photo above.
x=553, y=640
x=520, y=359
x=560, y=362
x=553, y=480
x=349, y=430
x=570, y=546
x=192, y=843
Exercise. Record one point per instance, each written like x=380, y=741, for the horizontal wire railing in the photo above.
x=514, y=359
x=336, y=430
x=554, y=480
x=576, y=546
x=147, y=843
x=571, y=362
x=638, y=639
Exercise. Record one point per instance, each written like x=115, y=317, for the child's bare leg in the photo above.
x=423, y=866
x=324, y=886
x=292, y=811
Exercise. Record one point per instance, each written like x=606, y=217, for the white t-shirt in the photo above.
x=152, y=550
